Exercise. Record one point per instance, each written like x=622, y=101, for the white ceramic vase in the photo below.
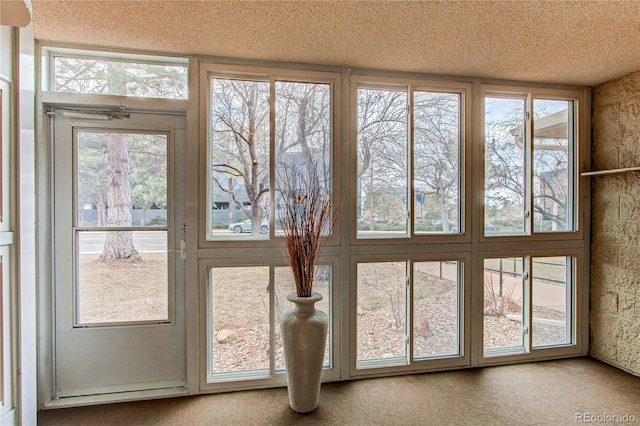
x=304, y=333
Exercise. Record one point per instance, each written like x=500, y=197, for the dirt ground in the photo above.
x=125, y=291
x=122, y=291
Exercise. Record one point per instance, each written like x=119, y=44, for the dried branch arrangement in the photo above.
x=307, y=219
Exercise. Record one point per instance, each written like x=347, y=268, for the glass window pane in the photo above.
x=503, y=303
x=303, y=132
x=122, y=290
x=239, y=159
x=121, y=179
x=436, y=162
x=436, y=305
x=112, y=77
x=382, y=208
x=284, y=284
x=552, y=204
x=6, y=158
x=382, y=312
x=552, y=281
x=505, y=183
x=239, y=319
x=6, y=47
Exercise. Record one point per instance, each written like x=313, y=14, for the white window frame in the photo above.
x=270, y=75
x=578, y=160
x=260, y=378
x=117, y=103
x=248, y=252
x=375, y=368
x=51, y=52
x=567, y=243
x=464, y=89
x=577, y=293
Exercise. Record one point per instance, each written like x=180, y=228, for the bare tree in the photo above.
x=303, y=127
x=382, y=144
x=505, y=183
x=240, y=133
x=436, y=149
x=241, y=138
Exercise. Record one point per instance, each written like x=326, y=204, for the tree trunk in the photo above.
x=143, y=214
x=231, y=202
x=119, y=244
x=102, y=210
x=255, y=188
x=444, y=212
x=372, y=204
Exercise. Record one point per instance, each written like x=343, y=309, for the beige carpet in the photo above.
x=545, y=393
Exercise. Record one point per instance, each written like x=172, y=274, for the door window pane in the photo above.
x=436, y=162
x=503, y=304
x=121, y=179
x=436, y=307
x=551, y=294
x=239, y=162
x=121, y=182
x=239, y=315
x=284, y=285
x=122, y=290
x=552, y=166
x=505, y=182
x=382, y=312
x=382, y=208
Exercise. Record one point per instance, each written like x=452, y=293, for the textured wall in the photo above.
x=615, y=251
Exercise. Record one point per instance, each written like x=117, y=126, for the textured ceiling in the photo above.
x=581, y=42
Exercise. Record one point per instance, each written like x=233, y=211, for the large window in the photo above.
x=528, y=303
x=248, y=158
x=262, y=127
x=408, y=311
x=529, y=165
x=409, y=144
x=245, y=307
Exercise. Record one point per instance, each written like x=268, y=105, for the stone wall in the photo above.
x=615, y=250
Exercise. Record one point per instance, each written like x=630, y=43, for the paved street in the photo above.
x=144, y=241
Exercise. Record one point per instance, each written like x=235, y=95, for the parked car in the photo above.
x=245, y=226
x=487, y=228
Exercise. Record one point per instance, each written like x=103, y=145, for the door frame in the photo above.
x=176, y=233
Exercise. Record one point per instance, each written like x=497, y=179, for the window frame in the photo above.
x=579, y=293
x=578, y=161
x=464, y=90
x=271, y=75
x=230, y=381
x=463, y=359
x=169, y=228
x=54, y=99
x=51, y=53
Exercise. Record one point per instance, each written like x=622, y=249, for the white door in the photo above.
x=119, y=271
